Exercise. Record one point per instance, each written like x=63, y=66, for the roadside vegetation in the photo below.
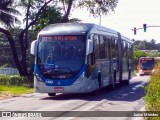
x=152, y=98
x=14, y=86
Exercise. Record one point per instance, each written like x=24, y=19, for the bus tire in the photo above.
x=51, y=94
x=126, y=82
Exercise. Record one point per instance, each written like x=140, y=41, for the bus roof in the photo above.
x=78, y=29
x=75, y=28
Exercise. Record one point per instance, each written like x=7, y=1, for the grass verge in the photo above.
x=6, y=91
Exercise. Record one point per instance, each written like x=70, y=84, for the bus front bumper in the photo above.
x=145, y=72
x=85, y=86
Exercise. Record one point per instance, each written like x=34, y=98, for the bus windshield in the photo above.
x=61, y=57
x=147, y=63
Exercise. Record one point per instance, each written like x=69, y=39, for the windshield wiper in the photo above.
x=52, y=71
x=57, y=70
x=66, y=68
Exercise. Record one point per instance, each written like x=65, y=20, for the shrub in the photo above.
x=13, y=80
x=152, y=98
x=4, y=80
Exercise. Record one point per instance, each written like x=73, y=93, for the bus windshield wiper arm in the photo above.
x=66, y=68
x=51, y=71
x=57, y=70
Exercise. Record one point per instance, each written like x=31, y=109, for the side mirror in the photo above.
x=89, y=46
x=33, y=49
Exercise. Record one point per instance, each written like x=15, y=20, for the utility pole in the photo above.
x=99, y=18
x=100, y=3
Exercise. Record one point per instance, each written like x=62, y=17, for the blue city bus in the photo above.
x=80, y=58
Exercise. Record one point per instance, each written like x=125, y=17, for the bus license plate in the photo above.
x=58, y=89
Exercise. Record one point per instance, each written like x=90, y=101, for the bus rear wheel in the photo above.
x=51, y=94
x=126, y=82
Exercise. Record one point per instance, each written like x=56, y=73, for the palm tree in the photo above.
x=8, y=12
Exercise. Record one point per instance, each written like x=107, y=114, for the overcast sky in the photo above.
x=129, y=14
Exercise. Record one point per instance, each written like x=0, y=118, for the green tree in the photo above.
x=153, y=42
x=20, y=60
x=95, y=7
x=144, y=45
x=39, y=6
x=7, y=18
x=7, y=13
x=5, y=49
x=50, y=15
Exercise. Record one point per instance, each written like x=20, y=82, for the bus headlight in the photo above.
x=39, y=79
x=78, y=81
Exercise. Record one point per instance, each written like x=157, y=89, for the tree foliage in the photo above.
x=50, y=15
x=7, y=13
x=144, y=45
x=96, y=7
x=21, y=59
x=5, y=49
x=39, y=13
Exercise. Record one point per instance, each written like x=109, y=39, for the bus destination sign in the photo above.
x=69, y=38
x=61, y=38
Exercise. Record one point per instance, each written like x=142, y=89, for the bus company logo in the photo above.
x=6, y=114
x=49, y=81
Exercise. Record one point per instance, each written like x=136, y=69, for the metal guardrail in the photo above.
x=8, y=71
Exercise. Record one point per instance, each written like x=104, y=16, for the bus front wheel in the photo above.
x=51, y=94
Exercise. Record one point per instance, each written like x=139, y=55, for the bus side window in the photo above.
x=126, y=51
x=109, y=47
x=130, y=51
x=117, y=53
x=102, y=47
x=91, y=57
x=123, y=49
x=113, y=48
x=106, y=42
x=96, y=47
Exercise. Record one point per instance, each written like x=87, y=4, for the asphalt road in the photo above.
x=124, y=98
